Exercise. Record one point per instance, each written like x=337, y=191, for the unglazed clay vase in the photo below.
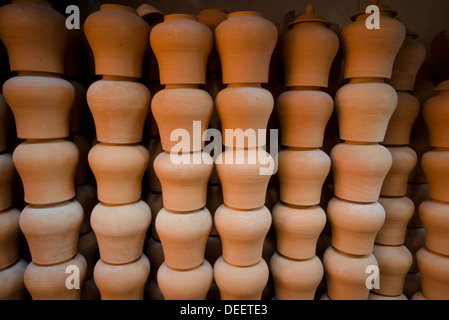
x=121, y=230
x=295, y=280
x=302, y=187
x=212, y=17
x=192, y=284
x=417, y=192
x=88, y=248
x=9, y=237
x=435, y=218
x=174, y=122
x=185, y=248
x=346, y=275
x=415, y=239
x=119, y=107
x=398, y=212
x=52, y=231
x=245, y=43
x=404, y=161
x=244, y=175
x=354, y=225
x=11, y=278
x=229, y=280
x=436, y=116
x=181, y=45
x=303, y=114
x=34, y=35
x=394, y=262
x=118, y=170
x=154, y=201
x=118, y=38
x=86, y=195
x=5, y=116
x=412, y=284
x=359, y=170
x=184, y=179
x=364, y=107
x=435, y=164
x=378, y=46
x=434, y=269
x=154, y=149
x=298, y=230
x=244, y=110
x=49, y=282
x=47, y=169
x=242, y=234
x=124, y=281
x=308, y=50
x=7, y=173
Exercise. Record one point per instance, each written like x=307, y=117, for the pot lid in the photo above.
x=382, y=7
x=443, y=86
x=310, y=16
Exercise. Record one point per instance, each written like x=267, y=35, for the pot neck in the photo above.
x=367, y=80
x=245, y=14
x=118, y=78
x=180, y=16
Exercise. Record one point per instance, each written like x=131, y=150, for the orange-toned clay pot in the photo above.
x=83, y=145
x=398, y=212
x=49, y=282
x=436, y=116
x=415, y=239
x=417, y=192
x=404, y=161
x=88, y=248
x=359, y=170
x=155, y=253
x=242, y=234
x=5, y=116
x=154, y=201
x=419, y=296
x=34, y=35
x=184, y=249
x=308, y=49
x=297, y=230
x=192, y=284
x=354, y=225
x=154, y=149
x=302, y=187
x=52, y=231
x=296, y=279
x=434, y=269
x=229, y=280
x=181, y=45
x=435, y=164
x=212, y=17
x=118, y=38
x=435, y=218
x=47, y=169
x=86, y=195
x=364, y=107
x=119, y=107
x=9, y=237
x=245, y=43
x=412, y=284
x=123, y=281
x=11, y=278
x=303, y=115
x=118, y=170
x=121, y=230
x=7, y=173
x=394, y=262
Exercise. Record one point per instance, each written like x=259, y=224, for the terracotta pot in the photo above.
x=83, y=145
x=124, y=281
x=297, y=230
x=155, y=254
x=52, y=231
x=435, y=218
x=44, y=111
x=214, y=200
x=118, y=38
x=434, y=270
x=364, y=108
x=34, y=35
x=212, y=18
x=154, y=201
x=152, y=129
x=11, y=278
x=346, y=275
x=197, y=106
x=245, y=43
x=378, y=46
x=303, y=115
x=7, y=174
x=119, y=107
x=398, y=212
x=419, y=296
x=394, y=263
x=47, y=169
x=184, y=249
x=118, y=170
x=415, y=239
x=296, y=280
x=359, y=170
x=49, y=282
x=404, y=161
x=154, y=149
x=354, y=225
x=181, y=45
x=88, y=248
x=192, y=284
x=244, y=175
x=9, y=237
x=229, y=280
x=418, y=192
x=402, y=120
x=436, y=116
x=244, y=111
x=435, y=164
x=86, y=195
x=302, y=187
x=121, y=230
x=5, y=117
x=374, y=296
x=412, y=284
x=77, y=112
x=213, y=86
x=308, y=49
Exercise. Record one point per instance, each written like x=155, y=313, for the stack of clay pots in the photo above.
x=245, y=42
x=35, y=37
x=182, y=112
x=119, y=105
x=307, y=51
x=360, y=164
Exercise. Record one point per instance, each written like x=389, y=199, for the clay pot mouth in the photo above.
x=118, y=7
x=40, y=2
x=245, y=14
x=179, y=16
